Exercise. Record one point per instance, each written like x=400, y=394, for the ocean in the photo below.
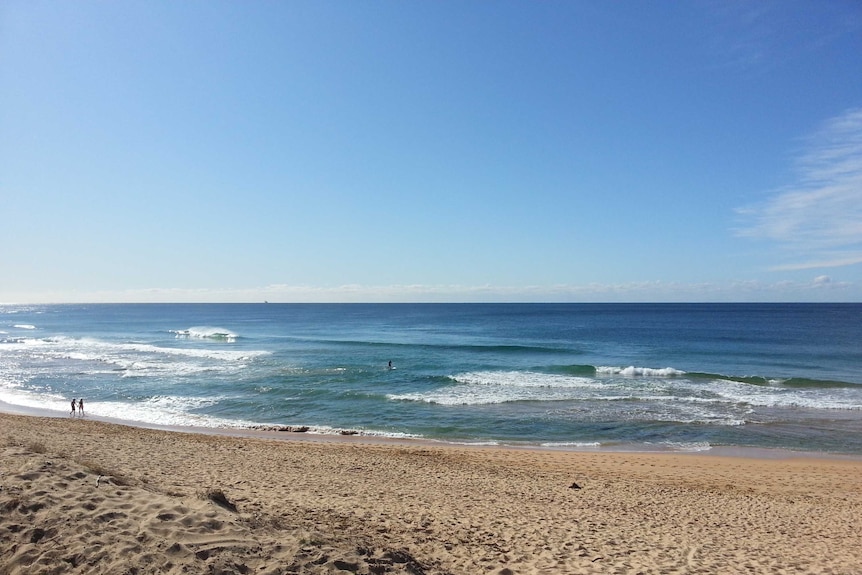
x=677, y=377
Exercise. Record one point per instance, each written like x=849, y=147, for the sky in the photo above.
x=389, y=151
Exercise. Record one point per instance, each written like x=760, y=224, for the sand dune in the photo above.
x=80, y=496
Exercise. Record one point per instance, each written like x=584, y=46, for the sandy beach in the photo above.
x=81, y=496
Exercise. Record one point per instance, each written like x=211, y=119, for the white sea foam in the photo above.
x=12, y=394
x=96, y=350
x=650, y=399
x=172, y=410
x=785, y=397
x=695, y=415
x=24, y=341
x=100, y=349
x=490, y=387
x=386, y=434
x=206, y=332
x=696, y=446
x=523, y=379
x=220, y=354
x=480, y=388
x=24, y=326
x=75, y=356
x=329, y=430
x=686, y=410
x=165, y=410
x=632, y=371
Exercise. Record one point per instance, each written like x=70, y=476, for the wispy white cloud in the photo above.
x=817, y=221
x=758, y=36
x=746, y=40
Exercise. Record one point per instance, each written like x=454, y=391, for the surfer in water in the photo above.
x=390, y=365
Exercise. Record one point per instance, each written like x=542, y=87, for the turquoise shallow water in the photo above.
x=664, y=376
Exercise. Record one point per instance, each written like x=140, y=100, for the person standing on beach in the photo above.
x=73, y=407
x=80, y=406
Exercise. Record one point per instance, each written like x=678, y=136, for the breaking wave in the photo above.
x=206, y=332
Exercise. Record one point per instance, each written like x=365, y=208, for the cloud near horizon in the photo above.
x=821, y=288
x=817, y=221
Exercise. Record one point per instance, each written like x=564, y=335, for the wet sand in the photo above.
x=84, y=496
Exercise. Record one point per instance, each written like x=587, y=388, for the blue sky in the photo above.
x=431, y=151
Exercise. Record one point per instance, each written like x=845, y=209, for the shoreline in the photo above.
x=287, y=435
x=81, y=495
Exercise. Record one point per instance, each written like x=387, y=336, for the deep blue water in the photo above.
x=666, y=376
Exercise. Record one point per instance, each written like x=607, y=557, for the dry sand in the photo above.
x=80, y=496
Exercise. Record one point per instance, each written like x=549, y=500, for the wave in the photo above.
x=206, y=332
x=175, y=411
x=628, y=371
x=9, y=309
x=815, y=383
x=671, y=372
x=711, y=400
x=494, y=387
x=169, y=410
x=14, y=394
x=693, y=446
x=584, y=370
x=633, y=371
x=572, y=444
x=110, y=348
x=77, y=356
x=522, y=379
x=846, y=398
x=24, y=326
x=764, y=381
